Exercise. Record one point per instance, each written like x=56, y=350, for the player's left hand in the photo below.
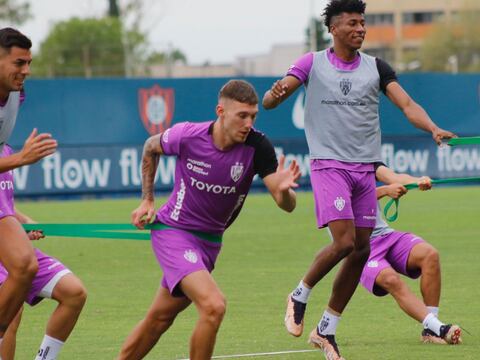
x=143, y=214
x=424, y=183
x=289, y=175
x=35, y=234
x=396, y=190
x=439, y=134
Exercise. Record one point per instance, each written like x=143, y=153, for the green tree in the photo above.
x=113, y=9
x=172, y=56
x=87, y=47
x=318, y=39
x=454, y=46
x=13, y=12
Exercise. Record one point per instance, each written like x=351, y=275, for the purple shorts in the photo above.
x=50, y=271
x=344, y=195
x=389, y=251
x=181, y=253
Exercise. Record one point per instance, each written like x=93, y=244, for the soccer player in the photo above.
x=53, y=280
x=16, y=252
x=394, y=253
x=216, y=162
x=343, y=134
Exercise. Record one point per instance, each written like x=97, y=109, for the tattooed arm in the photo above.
x=151, y=155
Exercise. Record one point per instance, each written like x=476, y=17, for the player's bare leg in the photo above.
x=201, y=288
x=7, y=350
x=425, y=257
x=159, y=318
x=71, y=296
x=348, y=276
x=18, y=258
x=389, y=280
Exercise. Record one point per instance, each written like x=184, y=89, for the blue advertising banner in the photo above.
x=101, y=126
x=116, y=169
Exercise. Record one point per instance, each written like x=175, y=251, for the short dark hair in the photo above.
x=336, y=7
x=10, y=37
x=239, y=90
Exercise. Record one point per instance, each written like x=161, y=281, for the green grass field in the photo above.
x=265, y=254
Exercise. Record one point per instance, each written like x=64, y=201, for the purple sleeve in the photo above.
x=171, y=139
x=301, y=68
x=7, y=151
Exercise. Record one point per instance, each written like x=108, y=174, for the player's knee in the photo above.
x=78, y=296
x=344, y=248
x=24, y=268
x=431, y=259
x=362, y=252
x=214, y=309
x=391, y=283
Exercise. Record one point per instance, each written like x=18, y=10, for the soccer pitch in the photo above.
x=265, y=254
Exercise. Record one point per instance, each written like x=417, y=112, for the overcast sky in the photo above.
x=205, y=30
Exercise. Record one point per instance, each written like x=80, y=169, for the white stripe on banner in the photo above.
x=258, y=354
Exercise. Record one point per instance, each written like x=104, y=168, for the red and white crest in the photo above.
x=156, y=107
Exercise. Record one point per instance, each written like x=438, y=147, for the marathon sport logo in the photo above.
x=156, y=106
x=345, y=86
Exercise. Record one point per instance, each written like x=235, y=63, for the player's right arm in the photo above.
x=395, y=191
x=25, y=219
x=296, y=76
x=280, y=90
x=152, y=150
x=281, y=183
x=36, y=147
x=388, y=176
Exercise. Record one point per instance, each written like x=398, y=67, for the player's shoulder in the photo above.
x=255, y=138
x=259, y=141
x=192, y=129
x=372, y=61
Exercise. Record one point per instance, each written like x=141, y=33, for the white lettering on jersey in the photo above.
x=6, y=185
x=198, y=166
x=216, y=189
x=178, y=205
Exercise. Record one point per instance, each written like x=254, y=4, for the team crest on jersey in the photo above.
x=236, y=171
x=345, y=86
x=339, y=203
x=190, y=256
x=156, y=107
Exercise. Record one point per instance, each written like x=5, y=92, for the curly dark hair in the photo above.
x=10, y=37
x=336, y=7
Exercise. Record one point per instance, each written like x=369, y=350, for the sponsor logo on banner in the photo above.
x=298, y=112
x=236, y=171
x=156, y=106
x=345, y=86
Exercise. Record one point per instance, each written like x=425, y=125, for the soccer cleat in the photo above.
x=429, y=337
x=326, y=343
x=451, y=334
x=294, y=316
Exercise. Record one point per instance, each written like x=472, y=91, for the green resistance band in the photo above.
x=474, y=140
x=394, y=216
x=106, y=231
x=110, y=231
